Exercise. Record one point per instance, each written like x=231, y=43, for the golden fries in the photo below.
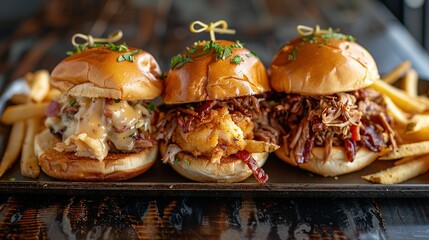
x=410, y=83
x=397, y=72
x=254, y=146
x=39, y=85
x=407, y=150
x=399, y=97
x=23, y=111
x=13, y=147
x=26, y=119
x=400, y=173
x=417, y=136
x=418, y=122
x=19, y=98
x=29, y=162
x=401, y=118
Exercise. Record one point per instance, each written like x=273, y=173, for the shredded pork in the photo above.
x=351, y=120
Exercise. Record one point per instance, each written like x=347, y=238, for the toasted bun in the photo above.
x=201, y=169
x=322, y=68
x=96, y=72
x=67, y=166
x=206, y=78
x=337, y=164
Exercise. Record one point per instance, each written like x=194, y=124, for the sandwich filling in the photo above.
x=350, y=120
x=217, y=129
x=91, y=127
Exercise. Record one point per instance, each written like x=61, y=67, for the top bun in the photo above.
x=96, y=72
x=209, y=78
x=321, y=67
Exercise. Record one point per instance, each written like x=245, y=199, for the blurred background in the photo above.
x=36, y=33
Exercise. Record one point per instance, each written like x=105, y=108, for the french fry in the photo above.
x=400, y=173
x=53, y=94
x=254, y=146
x=399, y=97
x=417, y=136
x=423, y=100
x=19, y=98
x=39, y=85
x=403, y=160
x=29, y=162
x=409, y=82
x=400, y=117
x=24, y=111
x=418, y=122
x=13, y=147
x=397, y=72
x=407, y=150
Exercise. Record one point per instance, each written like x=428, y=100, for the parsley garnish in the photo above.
x=128, y=56
x=292, y=56
x=325, y=37
x=114, y=47
x=237, y=59
x=151, y=107
x=176, y=159
x=251, y=54
x=72, y=102
x=117, y=100
x=179, y=60
x=221, y=52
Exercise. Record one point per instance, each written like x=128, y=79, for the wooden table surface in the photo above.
x=40, y=38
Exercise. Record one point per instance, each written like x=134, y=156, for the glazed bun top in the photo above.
x=97, y=72
x=201, y=74
x=322, y=66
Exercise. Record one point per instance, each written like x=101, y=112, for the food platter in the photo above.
x=161, y=179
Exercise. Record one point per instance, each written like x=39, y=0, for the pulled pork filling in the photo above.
x=91, y=127
x=217, y=129
x=350, y=120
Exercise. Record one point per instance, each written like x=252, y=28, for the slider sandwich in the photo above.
x=101, y=128
x=333, y=122
x=215, y=125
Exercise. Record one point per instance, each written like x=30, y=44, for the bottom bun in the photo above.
x=201, y=169
x=336, y=164
x=68, y=166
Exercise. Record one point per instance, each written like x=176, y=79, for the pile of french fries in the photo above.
x=26, y=116
x=411, y=115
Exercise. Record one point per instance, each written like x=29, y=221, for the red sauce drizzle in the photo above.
x=258, y=172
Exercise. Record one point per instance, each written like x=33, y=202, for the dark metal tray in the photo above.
x=161, y=179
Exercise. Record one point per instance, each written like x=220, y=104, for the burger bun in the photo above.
x=68, y=166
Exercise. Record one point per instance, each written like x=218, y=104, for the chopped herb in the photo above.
x=311, y=39
x=292, y=56
x=151, y=107
x=239, y=44
x=163, y=76
x=221, y=52
x=142, y=128
x=132, y=135
x=179, y=60
x=251, y=54
x=237, y=59
x=114, y=47
x=176, y=159
x=187, y=162
x=72, y=102
x=128, y=56
x=117, y=100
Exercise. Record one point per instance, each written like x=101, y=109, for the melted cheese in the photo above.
x=90, y=129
